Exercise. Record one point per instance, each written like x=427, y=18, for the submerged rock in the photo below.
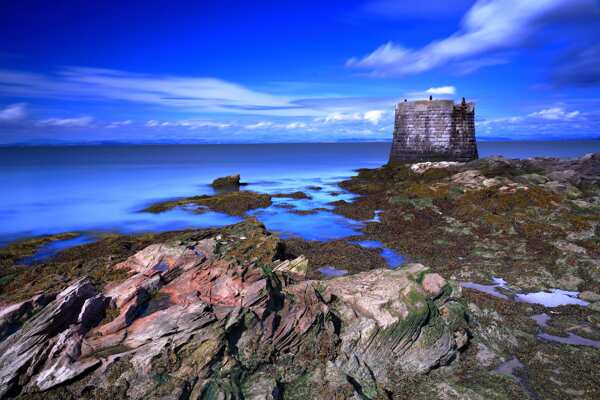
x=294, y=195
x=219, y=316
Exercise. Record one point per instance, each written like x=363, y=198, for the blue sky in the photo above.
x=289, y=71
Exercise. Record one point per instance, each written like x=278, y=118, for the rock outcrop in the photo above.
x=219, y=316
x=227, y=182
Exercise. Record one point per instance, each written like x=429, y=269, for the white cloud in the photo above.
x=68, y=122
x=338, y=116
x=505, y=120
x=555, y=114
x=117, y=124
x=551, y=122
x=189, y=124
x=442, y=90
x=259, y=125
x=374, y=116
x=489, y=26
x=152, y=123
x=295, y=125
x=13, y=112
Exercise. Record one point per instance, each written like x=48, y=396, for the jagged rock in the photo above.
x=43, y=338
x=297, y=266
x=391, y=326
x=13, y=315
x=206, y=318
x=230, y=181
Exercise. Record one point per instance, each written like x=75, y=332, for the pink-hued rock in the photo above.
x=433, y=284
x=195, y=310
x=28, y=347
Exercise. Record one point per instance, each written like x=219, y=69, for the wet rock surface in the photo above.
x=224, y=314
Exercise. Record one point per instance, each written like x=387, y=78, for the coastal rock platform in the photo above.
x=218, y=315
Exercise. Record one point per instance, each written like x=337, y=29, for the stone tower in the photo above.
x=434, y=130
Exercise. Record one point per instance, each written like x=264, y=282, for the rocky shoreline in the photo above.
x=238, y=313
x=220, y=314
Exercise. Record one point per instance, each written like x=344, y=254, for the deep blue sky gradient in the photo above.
x=277, y=71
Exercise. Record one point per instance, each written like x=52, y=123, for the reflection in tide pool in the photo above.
x=393, y=259
x=282, y=218
x=332, y=272
x=572, y=339
x=320, y=226
x=492, y=290
x=51, y=249
x=554, y=298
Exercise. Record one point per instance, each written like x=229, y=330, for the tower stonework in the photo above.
x=434, y=130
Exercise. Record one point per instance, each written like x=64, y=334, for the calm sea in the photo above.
x=91, y=189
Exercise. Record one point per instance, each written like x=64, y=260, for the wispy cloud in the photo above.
x=489, y=27
x=202, y=95
x=84, y=121
x=118, y=124
x=371, y=116
x=550, y=122
x=189, y=124
x=259, y=125
x=13, y=112
x=555, y=114
x=196, y=94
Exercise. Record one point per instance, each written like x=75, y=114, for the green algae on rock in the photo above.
x=298, y=195
x=232, y=203
x=27, y=247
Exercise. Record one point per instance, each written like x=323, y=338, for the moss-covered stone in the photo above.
x=232, y=203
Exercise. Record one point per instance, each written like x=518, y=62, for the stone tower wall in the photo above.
x=434, y=130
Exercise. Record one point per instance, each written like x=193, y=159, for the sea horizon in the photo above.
x=191, y=143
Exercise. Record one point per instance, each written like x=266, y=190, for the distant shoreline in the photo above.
x=123, y=144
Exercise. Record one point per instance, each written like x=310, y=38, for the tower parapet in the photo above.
x=434, y=130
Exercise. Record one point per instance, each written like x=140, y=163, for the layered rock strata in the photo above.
x=219, y=316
